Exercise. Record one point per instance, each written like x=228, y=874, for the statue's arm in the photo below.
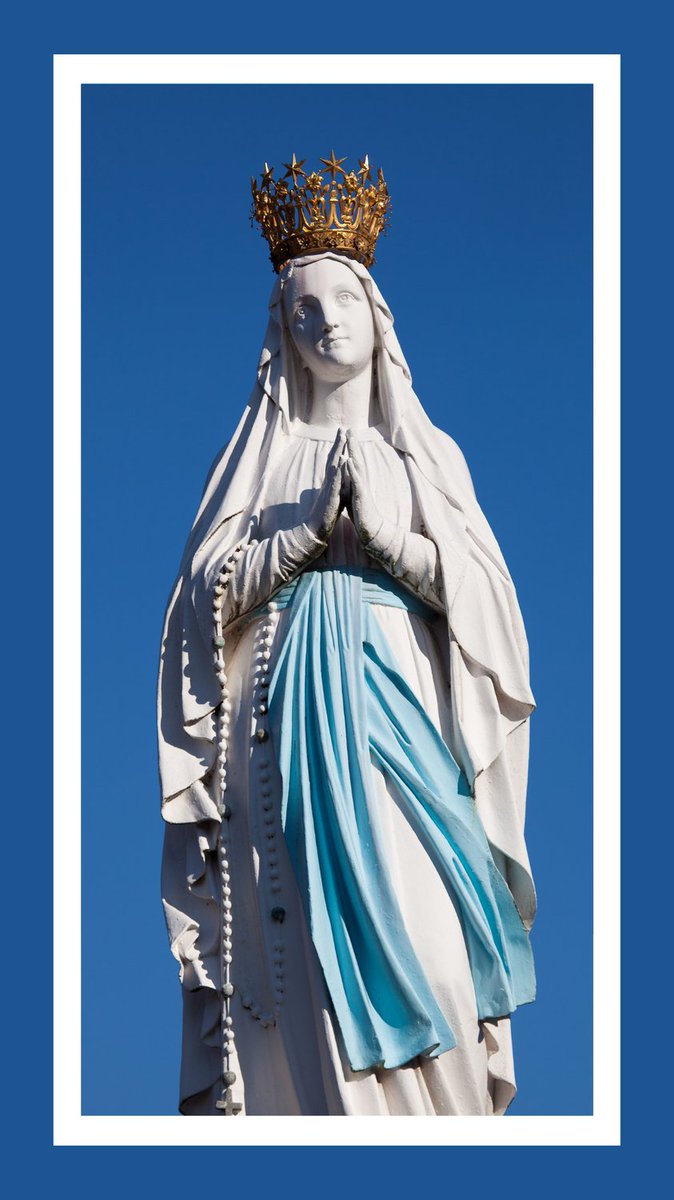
x=260, y=568
x=410, y=557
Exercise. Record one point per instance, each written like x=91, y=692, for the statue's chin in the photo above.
x=337, y=365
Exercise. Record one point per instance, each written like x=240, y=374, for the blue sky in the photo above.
x=487, y=269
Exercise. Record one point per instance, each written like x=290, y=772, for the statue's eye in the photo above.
x=345, y=297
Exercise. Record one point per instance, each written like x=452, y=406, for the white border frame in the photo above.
x=70, y=73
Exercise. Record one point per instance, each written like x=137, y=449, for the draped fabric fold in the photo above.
x=338, y=706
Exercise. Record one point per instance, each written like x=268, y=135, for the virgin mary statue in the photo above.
x=343, y=722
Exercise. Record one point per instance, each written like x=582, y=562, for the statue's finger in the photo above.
x=337, y=452
x=357, y=466
x=357, y=453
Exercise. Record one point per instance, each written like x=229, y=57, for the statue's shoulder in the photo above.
x=453, y=459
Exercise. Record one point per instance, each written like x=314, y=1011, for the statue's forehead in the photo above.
x=314, y=277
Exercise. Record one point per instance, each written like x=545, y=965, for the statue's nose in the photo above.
x=330, y=318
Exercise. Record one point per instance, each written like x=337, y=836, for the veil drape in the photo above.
x=487, y=648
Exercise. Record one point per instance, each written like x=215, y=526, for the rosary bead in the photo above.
x=261, y=735
x=278, y=914
x=229, y=1078
x=228, y=989
x=218, y=641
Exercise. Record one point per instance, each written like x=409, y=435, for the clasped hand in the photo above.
x=345, y=486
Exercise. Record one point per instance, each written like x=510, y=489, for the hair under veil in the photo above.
x=487, y=644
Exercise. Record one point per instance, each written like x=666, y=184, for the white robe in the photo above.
x=293, y=1062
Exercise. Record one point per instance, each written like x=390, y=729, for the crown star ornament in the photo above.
x=307, y=212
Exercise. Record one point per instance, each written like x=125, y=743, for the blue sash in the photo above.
x=337, y=705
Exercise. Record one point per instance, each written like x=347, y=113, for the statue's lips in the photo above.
x=327, y=345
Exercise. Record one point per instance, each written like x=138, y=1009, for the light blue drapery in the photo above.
x=338, y=709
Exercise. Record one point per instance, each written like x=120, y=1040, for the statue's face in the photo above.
x=330, y=320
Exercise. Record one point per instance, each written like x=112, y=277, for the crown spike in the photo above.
x=317, y=215
x=333, y=164
x=294, y=168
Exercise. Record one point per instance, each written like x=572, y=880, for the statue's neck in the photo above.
x=348, y=405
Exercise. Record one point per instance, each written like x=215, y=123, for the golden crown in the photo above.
x=346, y=214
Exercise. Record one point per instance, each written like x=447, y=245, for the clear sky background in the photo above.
x=487, y=269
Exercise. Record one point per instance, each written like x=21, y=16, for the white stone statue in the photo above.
x=343, y=739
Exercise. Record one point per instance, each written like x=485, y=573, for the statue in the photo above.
x=343, y=721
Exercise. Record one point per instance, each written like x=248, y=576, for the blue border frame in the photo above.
x=638, y=33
